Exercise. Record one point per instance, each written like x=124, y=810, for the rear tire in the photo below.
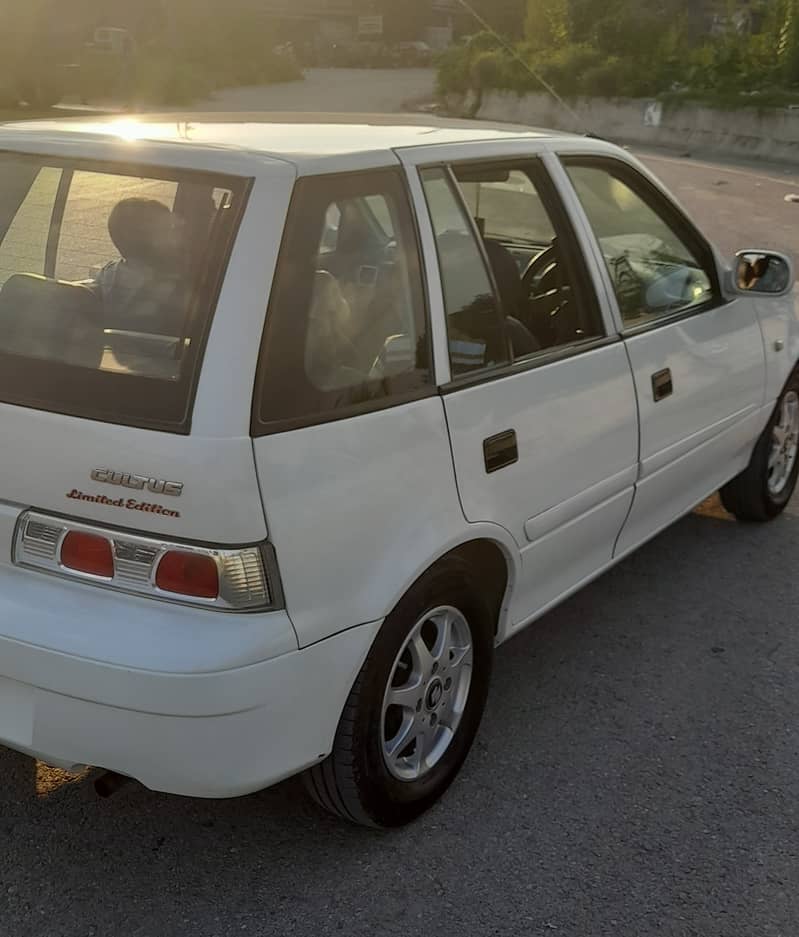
x=411, y=717
x=762, y=491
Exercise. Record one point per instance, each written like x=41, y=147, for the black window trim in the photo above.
x=547, y=191
x=240, y=185
x=671, y=215
x=259, y=427
x=56, y=222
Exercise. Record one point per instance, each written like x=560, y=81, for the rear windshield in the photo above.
x=108, y=279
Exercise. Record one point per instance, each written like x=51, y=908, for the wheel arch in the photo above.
x=490, y=551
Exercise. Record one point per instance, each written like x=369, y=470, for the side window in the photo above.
x=346, y=326
x=655, y=271
x=536, y=261
x=474, y=324
x=27, y=210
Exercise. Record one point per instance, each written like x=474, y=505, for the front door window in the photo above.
x=655, y=271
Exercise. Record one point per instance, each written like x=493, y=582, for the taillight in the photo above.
x=239, y=579
x=188, y=574
x=87, y=553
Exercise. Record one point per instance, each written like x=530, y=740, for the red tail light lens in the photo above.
x=210, y=577
x=88, y=553
x=188, y=574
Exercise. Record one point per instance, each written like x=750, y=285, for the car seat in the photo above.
x=51, y=319
x=509, y=286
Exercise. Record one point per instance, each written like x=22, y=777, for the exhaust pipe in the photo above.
x=109, y=783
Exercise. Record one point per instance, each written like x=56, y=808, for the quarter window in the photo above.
x=655, y=271
x=346, y=328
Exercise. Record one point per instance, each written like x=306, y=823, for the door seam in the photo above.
x=640, y=466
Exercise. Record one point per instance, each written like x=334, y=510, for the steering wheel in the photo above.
x=540, y=269
x=544, y=297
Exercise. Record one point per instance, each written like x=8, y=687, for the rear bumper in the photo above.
x=196, y=731
x=218, y=754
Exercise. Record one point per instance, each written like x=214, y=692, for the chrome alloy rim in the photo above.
x=427, y=693
x=784, y=444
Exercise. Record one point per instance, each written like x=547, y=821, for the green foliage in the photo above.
x=455, y=66
x=787, y=28
x=565, y=68
x=624, y=48
x=548, y=23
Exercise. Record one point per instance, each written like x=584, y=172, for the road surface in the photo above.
x=636, y=775
x=370, y=91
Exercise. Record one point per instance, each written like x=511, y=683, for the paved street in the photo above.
x=370, y=91
x=738, y=206
x=637, y=772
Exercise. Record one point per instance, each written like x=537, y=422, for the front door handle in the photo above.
x=500, y=451
x=662, y=384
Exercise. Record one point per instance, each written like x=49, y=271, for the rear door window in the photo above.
x=107, y=283
x=346, y=328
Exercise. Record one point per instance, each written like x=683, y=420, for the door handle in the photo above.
x=500, y=451
x=662, y=384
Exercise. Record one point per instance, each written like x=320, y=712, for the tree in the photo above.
x=788, y=41
x=548, y=23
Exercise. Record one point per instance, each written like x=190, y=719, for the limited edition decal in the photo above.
x=129, y=504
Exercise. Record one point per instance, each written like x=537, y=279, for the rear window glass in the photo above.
x=108, y=279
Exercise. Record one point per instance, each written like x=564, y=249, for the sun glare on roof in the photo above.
x=127, y=129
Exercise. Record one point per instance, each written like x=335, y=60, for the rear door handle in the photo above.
x=500, y=451
x=662, y=384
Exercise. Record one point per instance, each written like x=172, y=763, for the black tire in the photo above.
x=354, y=781
x=747, y=496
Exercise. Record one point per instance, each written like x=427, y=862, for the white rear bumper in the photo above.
x=197, y=731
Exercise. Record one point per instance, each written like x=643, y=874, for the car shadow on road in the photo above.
x=604, y=721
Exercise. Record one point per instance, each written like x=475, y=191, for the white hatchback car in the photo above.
x=300, y=419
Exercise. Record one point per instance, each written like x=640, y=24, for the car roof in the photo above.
x=291, y=137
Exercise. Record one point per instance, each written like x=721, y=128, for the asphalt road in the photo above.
x=738, y=206
x=637, y=772
x=344, y=90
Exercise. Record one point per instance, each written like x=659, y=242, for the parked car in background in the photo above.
x=302, y=419
x=413, y=54
x=39, y=65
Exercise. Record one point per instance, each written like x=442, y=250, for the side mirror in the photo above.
x=763, y=272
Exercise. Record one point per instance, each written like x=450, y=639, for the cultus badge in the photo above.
x=137, y=482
